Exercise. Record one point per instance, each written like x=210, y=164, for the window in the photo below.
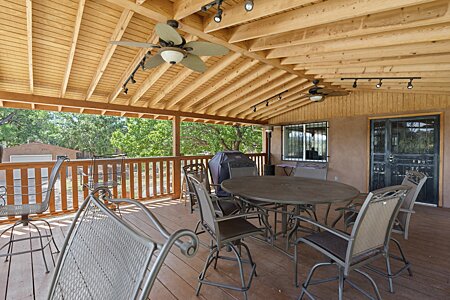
x=305, y=141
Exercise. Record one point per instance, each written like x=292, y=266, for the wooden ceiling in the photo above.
x=57, y=54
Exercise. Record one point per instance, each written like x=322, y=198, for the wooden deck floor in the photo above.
x=428, y=249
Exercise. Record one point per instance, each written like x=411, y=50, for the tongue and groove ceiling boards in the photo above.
x=57, y=55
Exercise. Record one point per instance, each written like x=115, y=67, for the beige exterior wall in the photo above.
x=349, y=132
x=36, y=149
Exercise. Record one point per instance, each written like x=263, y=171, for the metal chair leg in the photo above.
x=42, y=245
x=32, y=265
x=341, y=283
x=249, y=255
x=241, y=268
x=374, y=285
x=208, y=262
x=389, y=273
x=310, y=275
x=405, y=261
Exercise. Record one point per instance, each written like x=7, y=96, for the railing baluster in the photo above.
x=139, y=176
x=38, y=184
x=74, y=187
x=147, y=179
x=131, y=180
x=63, y=186
x=154, y=179
x=24, y=185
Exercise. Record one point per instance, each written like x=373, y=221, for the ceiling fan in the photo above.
x=318, y=94
x=173, y=48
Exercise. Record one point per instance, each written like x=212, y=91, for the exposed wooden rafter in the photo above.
x=73, y=46
x=329, y=11
x=184, y=8
x=110, y=48
x=29, y=10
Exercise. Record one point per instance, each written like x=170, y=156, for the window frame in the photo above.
x=304, y=125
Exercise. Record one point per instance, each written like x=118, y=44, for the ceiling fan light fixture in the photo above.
x=316, y=98
x=248, y=5
x=172, y=56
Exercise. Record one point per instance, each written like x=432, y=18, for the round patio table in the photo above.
x=289, y=190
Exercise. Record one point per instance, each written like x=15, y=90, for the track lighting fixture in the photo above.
x=125, y=89
x=266, y=101
x=133, y=81
x=381, y=79
x=218, y=16
x=379, y=84
x=248, y=5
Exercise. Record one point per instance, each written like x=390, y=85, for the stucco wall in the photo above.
x=348, y=152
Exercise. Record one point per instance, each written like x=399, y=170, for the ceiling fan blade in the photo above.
x=194, y=62
x=338, y=93
x=206, y=49
x=168, y=34
x=135, y=44
x=153, y=61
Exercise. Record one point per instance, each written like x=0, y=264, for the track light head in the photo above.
x=355, y=84
x=254, y=108
x=125, y=90
x=133, y=81
x=267, y=103
x=379, y=84
x=218, y=16
x=279, y=97
x=410, y=85
x=248, y=5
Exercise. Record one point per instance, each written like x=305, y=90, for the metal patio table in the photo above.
x=289, y=190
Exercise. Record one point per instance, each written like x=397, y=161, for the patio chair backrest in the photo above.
x=373, y=225
x=242, y=168
x=207, y=212
x=313, y=170
x=416, y=181
x=51, y=181
x=105, y=257
x=109, y=176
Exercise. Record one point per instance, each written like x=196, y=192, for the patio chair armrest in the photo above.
x=407, y=210
x=324, y=227
x=187, y=248
x=238, y=216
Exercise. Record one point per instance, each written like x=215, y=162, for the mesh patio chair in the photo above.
x=107, y=178
x=228, y=231
x=104, y=257
x=24, y=211
x=368, y=241
x=415, y=180
x=224, y=205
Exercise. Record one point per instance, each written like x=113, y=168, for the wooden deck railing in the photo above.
x=141, y=178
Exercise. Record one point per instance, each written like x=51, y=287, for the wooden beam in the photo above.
x=184, y=8
x=439, y=74
x=288, y=99
x=265, y=92
x=202, y=79
x=409, y=17
x=245, y=108
x=369, y=53
x=304, y=17
x=236, y=14
x=261, y=70
x=372, y=71
x=121, y=26
x=29, y=12
x=403, y=37
x=230, y=76
x=100, y=106
x=76, y=31
x=153, y=38
x=245, y=90
x=373, y=62
x=156, y=74
x=295, y=105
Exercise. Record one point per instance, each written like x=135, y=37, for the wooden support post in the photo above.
x=176, y=131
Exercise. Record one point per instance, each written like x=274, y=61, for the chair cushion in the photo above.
x=329, y=242
x=236, y=228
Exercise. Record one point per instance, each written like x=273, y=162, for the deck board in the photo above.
x=427, y=249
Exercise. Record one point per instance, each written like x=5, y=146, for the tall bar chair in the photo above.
x=24, y=211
